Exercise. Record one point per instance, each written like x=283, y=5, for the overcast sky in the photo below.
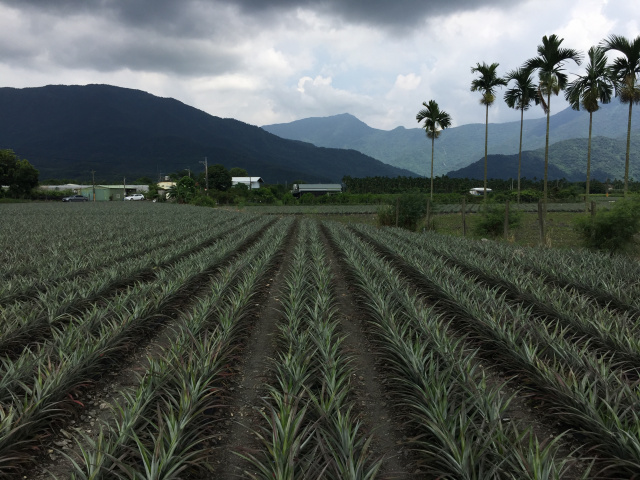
x=274, y=61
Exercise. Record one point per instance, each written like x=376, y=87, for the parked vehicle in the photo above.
x=478, y=191
x=135, y=196
x=75, y=198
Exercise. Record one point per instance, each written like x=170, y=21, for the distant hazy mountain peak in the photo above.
x=458, y=146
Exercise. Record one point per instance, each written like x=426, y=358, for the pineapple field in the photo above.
x=142, y=340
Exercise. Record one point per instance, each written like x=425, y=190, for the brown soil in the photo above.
x=373, y=402
x=236, y=432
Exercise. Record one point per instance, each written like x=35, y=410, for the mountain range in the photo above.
x=460, y=147
x=68, y=131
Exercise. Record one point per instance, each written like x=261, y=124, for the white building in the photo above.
x=250, y=182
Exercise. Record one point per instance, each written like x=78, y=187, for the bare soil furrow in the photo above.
x=234, y=433
x=373, y=401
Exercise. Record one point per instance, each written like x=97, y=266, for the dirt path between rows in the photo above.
x=373, y=402
x=236, y=432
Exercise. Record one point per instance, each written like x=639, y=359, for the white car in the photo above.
x=135, y=196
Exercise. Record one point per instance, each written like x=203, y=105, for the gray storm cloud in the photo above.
x=193, y=15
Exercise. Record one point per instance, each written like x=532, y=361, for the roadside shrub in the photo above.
x=42, y=194
x=412, y=208
x=491, y=222
x=262, y=196
x=611, y=230
x=307, y=199
x=203, y=201
x=288, y=199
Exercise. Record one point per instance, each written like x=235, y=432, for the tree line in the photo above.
x=460, y=186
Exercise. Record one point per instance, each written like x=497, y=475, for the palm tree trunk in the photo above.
x=520, y=151
x=543, y=230
x=586, y=197
x=486, y=136
x=626, y=162
x=433, y=139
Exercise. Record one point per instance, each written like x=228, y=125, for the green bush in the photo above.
x=307, y=199
x=491, y=222
x=412, y=208
x=613, y=229
x=203, y=201
x=288, y=199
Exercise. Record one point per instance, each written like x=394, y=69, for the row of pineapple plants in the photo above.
x=46, y=378
x=460, y=420
x=310, y=429
x=90, y=260
x=24, y=321
x=111, y=269
x=161, y=429
x=609, y=278
x=607, y=328
x=586, y=388
x=62, y=241
x=138, y=301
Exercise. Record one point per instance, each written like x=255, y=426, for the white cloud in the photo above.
x=407, y=82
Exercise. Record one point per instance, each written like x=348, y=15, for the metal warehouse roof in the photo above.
x=319, y=186
x=143, y=188
x=247, y=179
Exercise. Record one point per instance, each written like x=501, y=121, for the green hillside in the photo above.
x=567, y=159
x=68, y=131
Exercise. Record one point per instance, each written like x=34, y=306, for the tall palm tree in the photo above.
x=520, y=97
x=626, y=70
x=589, y=90
x=435, y=120
x=486, y=84
x=549, y=63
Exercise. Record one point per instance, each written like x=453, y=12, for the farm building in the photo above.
x=316, y=189
x=251, y=182
x=166, y=185
x=113, y=192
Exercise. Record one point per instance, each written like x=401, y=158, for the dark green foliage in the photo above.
x=262, y=196
x=307, y=199
x=203, y=201
x=18, y=174
x=288, y=199
x=184, y=190
x=42, y=194
x=219, y=178
x=412, y=209
x=491, y=222
x=613, y=229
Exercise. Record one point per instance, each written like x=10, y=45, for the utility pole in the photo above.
x=124, y=187
x=206, y=172
x=93, y=177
